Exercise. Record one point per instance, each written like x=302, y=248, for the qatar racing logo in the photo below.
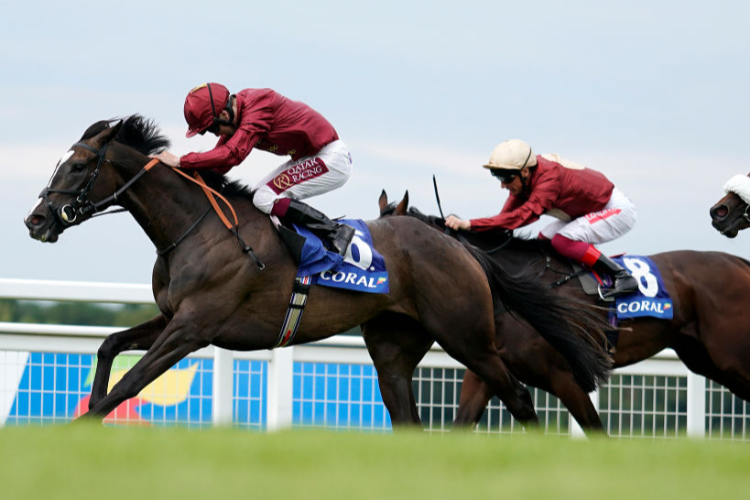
x=282, y=182
x=297, y=174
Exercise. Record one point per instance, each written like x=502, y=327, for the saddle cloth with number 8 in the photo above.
x=652, y=298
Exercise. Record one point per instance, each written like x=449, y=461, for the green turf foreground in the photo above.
x=85, y=461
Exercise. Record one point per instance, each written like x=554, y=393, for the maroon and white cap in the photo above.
x=199, y=111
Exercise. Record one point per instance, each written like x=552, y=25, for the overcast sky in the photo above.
x=655, y=94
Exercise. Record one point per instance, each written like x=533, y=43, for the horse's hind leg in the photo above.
x=397, y=344
x=140, y=337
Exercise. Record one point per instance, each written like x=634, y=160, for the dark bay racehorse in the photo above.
x=210, y=292
x=710, y=331
x=731, y=214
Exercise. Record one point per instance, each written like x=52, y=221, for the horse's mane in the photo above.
x=490, y=238
x=230, y=189
x=143, y=135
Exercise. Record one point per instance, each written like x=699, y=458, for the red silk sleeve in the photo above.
x=518, y=213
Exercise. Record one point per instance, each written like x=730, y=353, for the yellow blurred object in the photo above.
x=170, y=389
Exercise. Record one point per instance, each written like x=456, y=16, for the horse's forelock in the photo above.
x=388, y=210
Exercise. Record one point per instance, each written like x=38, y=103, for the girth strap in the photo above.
x=294, y=313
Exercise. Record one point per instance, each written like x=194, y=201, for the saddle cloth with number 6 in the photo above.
x=361, y=269
x=651, y=299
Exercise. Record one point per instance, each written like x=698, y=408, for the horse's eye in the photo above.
x=78, y=167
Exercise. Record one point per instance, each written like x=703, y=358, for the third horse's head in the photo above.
x=730, y=214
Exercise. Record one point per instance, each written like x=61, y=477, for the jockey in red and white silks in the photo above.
x=615, y=219
x=308, y=176
x=266, y=120
x=590, y=208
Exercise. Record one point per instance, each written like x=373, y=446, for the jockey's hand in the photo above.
x=455, y=223
x=168, y=159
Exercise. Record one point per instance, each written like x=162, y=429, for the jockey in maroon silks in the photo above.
x=266, y=120
x=590, y=209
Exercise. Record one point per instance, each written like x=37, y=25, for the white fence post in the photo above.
x=223, y=386
x=696, y=405
x=280, y=378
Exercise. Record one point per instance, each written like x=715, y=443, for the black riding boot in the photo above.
x=336, y=235
x=624, y=282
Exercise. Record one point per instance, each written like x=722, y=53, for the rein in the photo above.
x=211, y=194
x=67, y=214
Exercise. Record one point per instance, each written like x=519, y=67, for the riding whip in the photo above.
x=437, y=195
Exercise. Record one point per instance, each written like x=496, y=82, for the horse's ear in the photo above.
x=383, y=202
x=403, y=205
x=109, y=133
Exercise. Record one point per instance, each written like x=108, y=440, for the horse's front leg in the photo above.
x=179, y=338
x=140, y=337
x=475, y=395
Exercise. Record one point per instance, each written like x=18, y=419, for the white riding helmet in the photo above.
x=511, y=155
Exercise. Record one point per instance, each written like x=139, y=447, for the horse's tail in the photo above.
x=572, y=327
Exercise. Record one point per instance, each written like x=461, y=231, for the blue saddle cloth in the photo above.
x=361, y=269
x=652, y=298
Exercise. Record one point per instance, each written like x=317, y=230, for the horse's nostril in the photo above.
x=33, y=221
x=719, y=212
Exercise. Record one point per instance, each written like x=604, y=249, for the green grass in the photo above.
x=85, y=461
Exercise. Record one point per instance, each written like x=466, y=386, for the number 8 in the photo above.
x=641, y=271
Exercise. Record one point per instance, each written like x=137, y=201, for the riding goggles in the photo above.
x=213, y=128
x=503, y=176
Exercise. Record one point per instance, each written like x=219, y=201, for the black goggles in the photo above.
x=213, y=128
x=504, y=176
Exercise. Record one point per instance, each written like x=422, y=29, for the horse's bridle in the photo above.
x=68, y=214
x=746, y=213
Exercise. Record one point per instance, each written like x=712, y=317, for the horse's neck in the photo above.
x=516, y=254
x=166, y=205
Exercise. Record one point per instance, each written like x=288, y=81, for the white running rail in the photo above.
x=24, y=337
